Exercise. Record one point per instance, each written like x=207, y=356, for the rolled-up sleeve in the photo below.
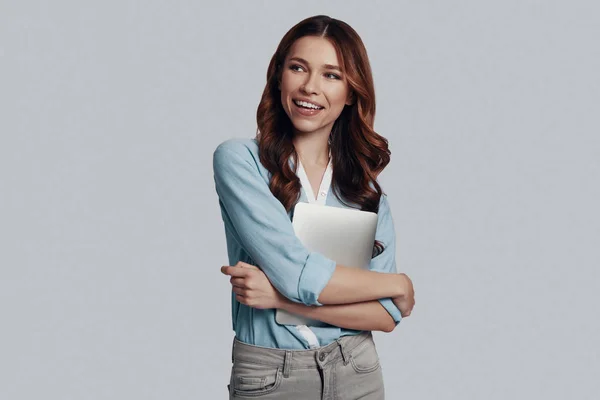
x=386, y=260
x=261, y=225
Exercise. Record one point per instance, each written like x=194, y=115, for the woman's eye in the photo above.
x=296, y=67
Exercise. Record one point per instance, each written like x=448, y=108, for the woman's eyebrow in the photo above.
x=326, y=66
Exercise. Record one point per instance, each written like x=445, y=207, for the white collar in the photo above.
x=323, y=188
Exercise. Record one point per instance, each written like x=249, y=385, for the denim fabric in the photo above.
x=346, y=369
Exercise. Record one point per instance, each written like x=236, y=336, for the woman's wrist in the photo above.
x=399, y=285
x=284, y=303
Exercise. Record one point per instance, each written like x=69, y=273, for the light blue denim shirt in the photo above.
x=259, y=231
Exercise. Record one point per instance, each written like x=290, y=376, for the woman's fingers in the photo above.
x=235, y=271
x=240, y=282
x=239, y=290
x=246, y=265
x=241, y=299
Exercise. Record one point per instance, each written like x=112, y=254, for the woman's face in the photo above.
x=311, y=73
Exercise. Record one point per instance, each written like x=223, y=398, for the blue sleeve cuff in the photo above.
x=391, y=308
x=315, y=275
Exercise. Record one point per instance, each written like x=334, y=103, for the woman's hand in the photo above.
x=252, y=287
x=405, y=302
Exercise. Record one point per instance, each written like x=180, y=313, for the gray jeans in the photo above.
x=346, y=369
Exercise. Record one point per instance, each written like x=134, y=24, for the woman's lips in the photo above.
x=308, y=112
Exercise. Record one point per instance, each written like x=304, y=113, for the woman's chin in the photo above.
x=307, y=126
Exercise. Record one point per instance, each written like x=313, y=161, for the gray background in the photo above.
x=111, y=237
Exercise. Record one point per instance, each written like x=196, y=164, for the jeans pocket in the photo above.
x=252, y=380
x=364, y=357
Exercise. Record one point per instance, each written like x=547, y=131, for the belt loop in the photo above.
x=343, y=351
x=287, y=360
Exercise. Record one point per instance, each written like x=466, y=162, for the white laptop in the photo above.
x=344, y=235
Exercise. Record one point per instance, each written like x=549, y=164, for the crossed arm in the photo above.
x=343, y=305
x=307, y=283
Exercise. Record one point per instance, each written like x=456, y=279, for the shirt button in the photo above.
x=322, y=193
x=322, y=356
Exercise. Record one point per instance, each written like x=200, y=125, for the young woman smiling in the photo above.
x=315, y=143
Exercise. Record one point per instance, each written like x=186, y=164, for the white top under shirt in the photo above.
x=306, y=332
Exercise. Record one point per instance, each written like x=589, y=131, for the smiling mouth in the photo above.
x=306, y=111
x=306, y=105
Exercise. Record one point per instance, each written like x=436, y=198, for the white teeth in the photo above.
x=306, y=104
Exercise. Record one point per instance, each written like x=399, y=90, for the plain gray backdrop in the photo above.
x=111, y=236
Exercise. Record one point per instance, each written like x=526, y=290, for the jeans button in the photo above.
x=322, y=356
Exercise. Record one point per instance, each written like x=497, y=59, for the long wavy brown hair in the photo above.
x=358, y=153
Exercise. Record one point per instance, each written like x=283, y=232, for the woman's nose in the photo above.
x=311, y=85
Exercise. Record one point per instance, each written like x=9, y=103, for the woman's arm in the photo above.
x=255, y=290
x=353, y=285
x=365, y=316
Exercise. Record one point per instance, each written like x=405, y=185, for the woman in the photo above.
x=315, y=143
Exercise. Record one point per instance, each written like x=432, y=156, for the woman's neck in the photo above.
x=313, y=149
